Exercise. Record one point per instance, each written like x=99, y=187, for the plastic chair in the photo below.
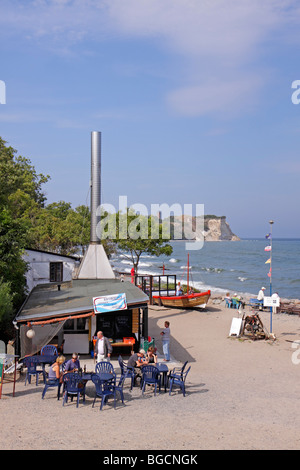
x=146, y=344
x=104, y=366
x=50, y=383
x=235, y=303
x=32, y=363
x=179, y=380
x=119, y=387
x=150, y=376
x=126, y=372
x=74, y=386
x=49, y=349
x=227, y=303
x=103, y=390
x=177, y=371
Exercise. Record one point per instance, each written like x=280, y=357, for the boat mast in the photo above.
x=188, y=272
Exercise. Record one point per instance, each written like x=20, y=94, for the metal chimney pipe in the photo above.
x=95, y=183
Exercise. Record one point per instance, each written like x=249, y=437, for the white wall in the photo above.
x=39, y=267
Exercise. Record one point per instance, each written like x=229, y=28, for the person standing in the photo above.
x=275, y=297
x=166, y=341
x=261, y=294
x=103, y=348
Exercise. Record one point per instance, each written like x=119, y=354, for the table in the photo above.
x=104, y=376
x=163, y=369
x=46, y=358
x=121, y=344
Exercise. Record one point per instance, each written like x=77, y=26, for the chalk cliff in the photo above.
x=209, y=228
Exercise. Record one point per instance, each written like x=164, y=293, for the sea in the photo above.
x=226, y=266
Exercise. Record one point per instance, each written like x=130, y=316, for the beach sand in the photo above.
x=241, y=394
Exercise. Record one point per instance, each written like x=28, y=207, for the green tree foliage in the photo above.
x=21, y=198
x=60, y=229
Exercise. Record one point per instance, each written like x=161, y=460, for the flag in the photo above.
x=268, y=236
x=268, y=261
x=270, y=272
x=268, y=248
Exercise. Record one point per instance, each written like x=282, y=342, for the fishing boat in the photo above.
x=194, y=299
x=188, y=300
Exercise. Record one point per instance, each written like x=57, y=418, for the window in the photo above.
x=56, y=272
x=76, y=325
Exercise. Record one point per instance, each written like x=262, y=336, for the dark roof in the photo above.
x=47, y=301
x=75, y=257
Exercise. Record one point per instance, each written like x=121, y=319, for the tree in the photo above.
x=21, y=198
x=136, y=234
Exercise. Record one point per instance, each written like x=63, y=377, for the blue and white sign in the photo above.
x=109, y=303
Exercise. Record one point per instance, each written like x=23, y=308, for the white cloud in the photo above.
x=219, y=44
x=225, y=98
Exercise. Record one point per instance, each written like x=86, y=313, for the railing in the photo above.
x=164, y=284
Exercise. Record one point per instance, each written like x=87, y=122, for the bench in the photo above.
x=255, y=303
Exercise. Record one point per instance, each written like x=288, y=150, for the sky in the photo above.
x=193, y=99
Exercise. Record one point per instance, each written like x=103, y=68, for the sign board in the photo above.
x=109, y=303
x=271, y=301
x=236, y=326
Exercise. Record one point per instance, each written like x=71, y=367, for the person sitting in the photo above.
x=54, y=370
x=236, y=301
x=136, y=362
x=151, y=357
x=73, y=364
x=228, y=301
x=179, y=290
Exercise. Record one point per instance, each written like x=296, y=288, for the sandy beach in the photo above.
x=241, y=394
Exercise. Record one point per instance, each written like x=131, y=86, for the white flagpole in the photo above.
x=271, y=222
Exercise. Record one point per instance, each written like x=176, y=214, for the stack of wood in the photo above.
x=253, y=327
x=290, y=308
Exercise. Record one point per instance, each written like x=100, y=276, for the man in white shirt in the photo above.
x=103, y=348
x=261, y=294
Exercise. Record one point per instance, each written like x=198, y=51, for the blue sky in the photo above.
x=193, y=99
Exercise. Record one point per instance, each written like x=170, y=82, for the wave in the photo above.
x=173, y=260
x=213, y=270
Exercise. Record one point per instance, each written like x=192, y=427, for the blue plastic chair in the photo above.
x=126, y=372
x=73, y=386
x=228, y=303
x=104, y=366
x=179, y=380
x=32, y=364
x=119, y=388
x=177, y=371
x=51, y=383
x=235, y=303
x=49, y=350
x=103, y=390
x=150, y=376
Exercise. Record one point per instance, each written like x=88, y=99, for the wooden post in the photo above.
x=150, y=289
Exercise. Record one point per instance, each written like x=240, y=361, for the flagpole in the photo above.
x=271, y=222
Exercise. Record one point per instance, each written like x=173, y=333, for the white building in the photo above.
x=45, y=267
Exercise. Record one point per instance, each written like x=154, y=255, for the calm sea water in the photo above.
x=230, y=266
